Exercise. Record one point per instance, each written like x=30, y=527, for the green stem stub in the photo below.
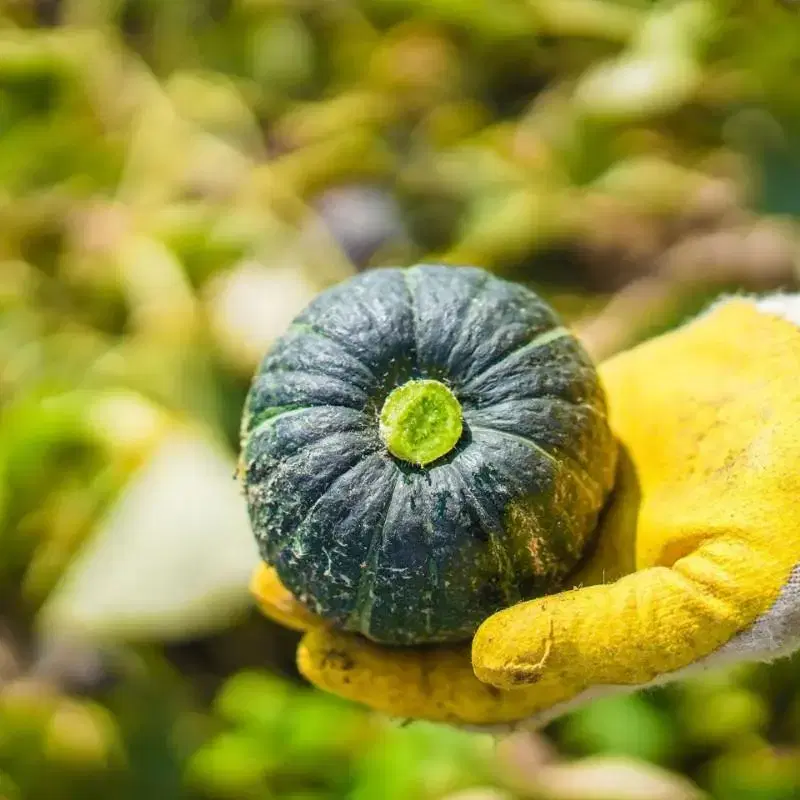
x=420, y=421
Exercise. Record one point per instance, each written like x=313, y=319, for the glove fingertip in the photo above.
x=495, y=647
x=277, y=603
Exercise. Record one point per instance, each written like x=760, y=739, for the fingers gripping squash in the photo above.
x=422, y=448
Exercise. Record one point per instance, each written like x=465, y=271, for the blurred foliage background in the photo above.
x=178, y=178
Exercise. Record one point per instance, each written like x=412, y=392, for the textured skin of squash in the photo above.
x=409, y=553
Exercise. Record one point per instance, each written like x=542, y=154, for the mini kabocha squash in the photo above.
x=422, y=448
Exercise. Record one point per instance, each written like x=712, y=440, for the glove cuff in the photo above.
x=782, y=305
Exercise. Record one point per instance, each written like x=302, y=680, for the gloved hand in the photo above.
x=697, y=560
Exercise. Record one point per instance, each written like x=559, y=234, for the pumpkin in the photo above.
x=422, y=448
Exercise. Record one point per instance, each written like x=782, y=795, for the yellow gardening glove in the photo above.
x=697, y=559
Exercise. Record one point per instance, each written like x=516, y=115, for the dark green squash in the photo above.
x=477, y=485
